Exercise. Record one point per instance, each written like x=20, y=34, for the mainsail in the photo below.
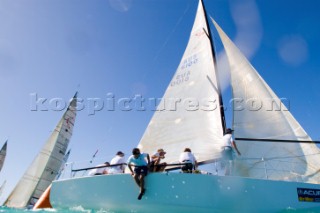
x=3, y=153
x=270, y=139
x=47, y=163
x=189, y=112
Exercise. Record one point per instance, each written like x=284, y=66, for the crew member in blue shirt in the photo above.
x=141, y=162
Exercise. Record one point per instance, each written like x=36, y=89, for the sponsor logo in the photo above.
x=308, y=195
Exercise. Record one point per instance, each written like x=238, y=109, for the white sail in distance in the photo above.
x=260, y=114
x=47, y=163
x=189, y=112
x=2, y=187
x=3, y=153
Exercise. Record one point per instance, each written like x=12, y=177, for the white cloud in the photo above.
x=293, y=50
x=249, y=28
x=121, y=5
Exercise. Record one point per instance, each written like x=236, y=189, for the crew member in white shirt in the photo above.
x=103, y=170
x=229, y=144
x=118, y=159
x=189, y=159
x=228, y=147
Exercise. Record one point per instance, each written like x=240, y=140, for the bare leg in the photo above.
x=141, y=183
x=156, y=165
x=142, y=189
x=136, y=178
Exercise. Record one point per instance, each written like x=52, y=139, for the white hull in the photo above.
x=178, y=192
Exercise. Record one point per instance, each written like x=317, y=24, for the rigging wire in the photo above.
x=164, y=44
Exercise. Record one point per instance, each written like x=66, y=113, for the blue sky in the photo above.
x=54, y=48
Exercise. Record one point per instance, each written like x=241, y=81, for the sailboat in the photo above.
x=3, y=153
x=278, y=168
x=2, y=187
x=46, y=165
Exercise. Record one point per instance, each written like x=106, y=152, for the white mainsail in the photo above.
x=260, y=114
x=189, y=113
x=3, y=153
x=47, y=163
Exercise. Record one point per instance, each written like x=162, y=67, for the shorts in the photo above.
x=227, y=153
x=141, y=170
x=188, y=167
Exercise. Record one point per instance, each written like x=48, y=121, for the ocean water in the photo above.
x=81, y=210
x=72, y=210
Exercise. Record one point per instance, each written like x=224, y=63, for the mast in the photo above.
x=223, y=119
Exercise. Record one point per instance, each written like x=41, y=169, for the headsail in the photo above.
x=189, y=112
x=3, y=153
x=47, y=163
x=260, y=114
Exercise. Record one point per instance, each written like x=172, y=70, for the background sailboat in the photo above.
x=3, y=153
x=2, y=187
x=47, y=163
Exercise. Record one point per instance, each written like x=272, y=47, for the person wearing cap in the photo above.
x=101, y=169
x=119, y=161
x=141, y=162
x=155, y=165
x=228, y=147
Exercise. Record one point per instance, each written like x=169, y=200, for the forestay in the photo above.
x=260, y=114
x=189, y=114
